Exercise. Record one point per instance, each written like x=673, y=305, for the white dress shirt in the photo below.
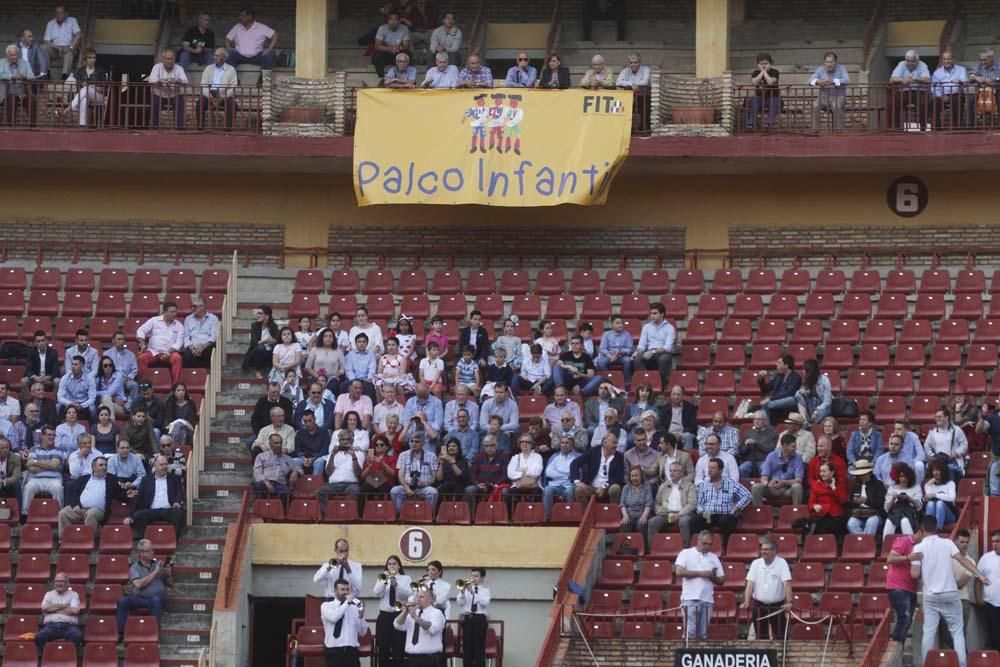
x=989, y=566
x=160, y=336
x=403, y=593
x=431, y=640
x=698, y=588
x=328, y=574
x=521, y=466
x=441, y=590
x=729, y=467
x=769, y=580
x=161, y=499
x=478, y=595
x=353, y=625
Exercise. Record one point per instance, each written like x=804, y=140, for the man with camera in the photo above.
x=343, y=624
x=417, y=468
x=343, y=469
x=339, y=568
x=149, y=579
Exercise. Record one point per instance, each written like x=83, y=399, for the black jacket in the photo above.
x=261, y=416
x=689, y=417
x=147, y=491
x=100, y=75
x=482, y=343
x=33, y=366
x=112, y=492
x=545, y=77
x=874, y=493
x=585, y=467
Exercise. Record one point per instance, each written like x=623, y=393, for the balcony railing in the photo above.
x=58, y=105
x=865, y=108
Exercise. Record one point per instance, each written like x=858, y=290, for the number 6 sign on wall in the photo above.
x=415, y=545
x=907, y=196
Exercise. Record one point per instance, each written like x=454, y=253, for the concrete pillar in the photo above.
x=711, y=38
x=310, y=39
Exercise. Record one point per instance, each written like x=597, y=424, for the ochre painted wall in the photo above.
x=707, y=205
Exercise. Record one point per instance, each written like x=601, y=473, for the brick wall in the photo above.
x=170, y=235
x=653, y=653
x=850, y=243
x=432, y=244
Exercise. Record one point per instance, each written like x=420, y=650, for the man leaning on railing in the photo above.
x=14, y=72
x=218, y=86
x=947, y=84
x=831, y=79
x=910, y=80
x=167, y=80
x=986, y=76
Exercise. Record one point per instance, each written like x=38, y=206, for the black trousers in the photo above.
x=771, y=628
x=143, y=518
x=391, y=642
x=474, y=640
x=726, y=522
x=343, y=656
x=423, y=659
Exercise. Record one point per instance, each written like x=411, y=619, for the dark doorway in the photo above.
x=270, y=624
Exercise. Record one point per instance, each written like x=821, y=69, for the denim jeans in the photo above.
x=749, y=469
x=940, y=511
x=698, y=614
x=625, y=363
x=903, y=603
x=945, y=607
x=994, y=477
x=588, y=386
x=867, y=526
x=565, y=490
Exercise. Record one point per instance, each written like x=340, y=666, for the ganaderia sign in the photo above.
x=501, y=147
x=724, y=657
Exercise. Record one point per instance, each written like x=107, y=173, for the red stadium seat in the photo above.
x=607, y=516
x=756, y=519
x=59, y=654
x=968, y=382
x=480, y=282
x=490, y=305
x=808, y=332
x=712, y=307
x=725, y=606
x=181, y=281
x=819, y=306
x=761, y=281
x=110, y=304
x=918, y=332
x=858, y=549
x=709, y=405
x=569, y=514
x=100, y=629
x=941, y=658
x=381, y=307
x=163, y=537
x=987, y=331
x=855, y=306
x=638, y=630
x=36, y=537
x=983, y=659
x=666, y=546
x=953, y=331
x=890, y=408
x=302, y=305
x=452, y=307
x=970, y=281
x=700, y=331
x=416, y=511
x=947, y=357
x=151, y=281
x=783, y=307
x=897, y=382
x=787, y=514
x=935, y=281
x=599, y=629
x=877, y=573
x=909, y=356
x=5, y=544
x=528, y=513
x=727, y=281
x=922, y=409
x=771, y=331
x=308, y=281
x=11, y=302
x=764, y=357
x=846, y=577
x=980, y=356
x=113, y=280
x=861, y=382
x=141, y=629
x=719, y=383
x=527, y=307
x=831, y=281
x=929, y=306
x=619, y=282
x=628, y=540
x=842, y=332
x=900, y=281
x=20, y=654
x=820, y=548
x=735, y=331
x=531, y=405
x=872, y=606
x=743, y=547
x=654, y=281
x=10, y=329
x=808, y=577
x=514, y=282
x=303, y=510
x=873, y=356
x=45, y=278
x=32, y=568
x=413, y=281
x=43, y=303
x=66, y=328
x=454, y=512
x=559, y=307
x=269, y=509
x=341, y=511
x=748, y=307
x=76, y=566
x=17, y=625
x=550, y=281
x=967, y=307
x=689, y=281
x=416, y=306
x=655, y=575
x=446, y=281
x=891, y=306
x=735, y=574
x=794, y=281
x=491, y=514
x=77, y=303
x=836, y=603
x=27, y=598
x=379, y=281
x=116, y=539
x=673, y=631
x=43, y=510
x=699, y=357
x=880, y=332
x=605, y=602
x=111, y=569
x=79, y=280
x=595, y=307
x=969, y=488
x=104, y=598
x=616, y=574
x=675, y=307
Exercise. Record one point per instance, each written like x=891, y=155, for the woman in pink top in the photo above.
x=901, y=586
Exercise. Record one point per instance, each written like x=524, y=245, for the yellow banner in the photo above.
x=501, y=147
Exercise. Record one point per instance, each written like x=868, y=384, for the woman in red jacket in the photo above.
x=828, y=499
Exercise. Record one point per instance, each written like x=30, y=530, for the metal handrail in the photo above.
x=874, y=25
x=477, y=28
x=554, y=33
x=949, y=25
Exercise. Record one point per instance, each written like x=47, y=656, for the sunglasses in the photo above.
x=522, y=60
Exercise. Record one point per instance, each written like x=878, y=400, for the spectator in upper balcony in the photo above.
x=421, y=18
x=13, y=73
x=251, y=42
x=198, y=43
x=167, y=80
x=402, y=74
x=911, y=79
x=986, y=74
x=555, y=76
x=635, y=75
x=603, y=10
x=598, y=76
x=218, y=90
x=475, y=74
x=521, y=75
x=391, y=39
x=947, y=84
x=767, y=95
x=442, y=75
x=62, y=37
x=831, y=79
x=446, y=39
x=91, y=93
x=32, y=53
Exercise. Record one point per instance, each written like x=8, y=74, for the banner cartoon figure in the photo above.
x=532, y=148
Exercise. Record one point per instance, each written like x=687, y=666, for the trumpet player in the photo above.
x=424, y=626
x=340, y=566
x=438, y=587
x=473, y=601
x=392, y=588
x=343, y=624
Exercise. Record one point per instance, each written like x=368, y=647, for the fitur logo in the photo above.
x=605, y=104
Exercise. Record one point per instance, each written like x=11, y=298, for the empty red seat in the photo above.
x=558, y=307
x=761, y=281
x=569, y=514
x=380, y=307
x=76, y=567
x=514, y=282
x=666, y=546
x=764, y=356
x=302, y=305
x=983, y=658
x=111, y=569
x=113, y=280
x=891, y=306
x=916, y=331
x=412, y=281
x=78, y=303
x=935, y=281
x=43, y=510
x=616, y=574
x=655, y=575
x=861, y=382
x=783, y=306
x=901, y=281
x=981, y=356
x=43, y=303
x=857, y=306
x=27, y=598
x=551, y=281
x=954, y=331
x=482, y=281
x=33, y=568
x=743, y=547
x=36, y=537
x=20, y=654
x=967, y=306
x=163, y=537
x=116, y=539
x=807, y=331
x=794, y=281
x=898, y=382
x=303, y=510
x=735, y=331
x=922, y=409
x=726, y=357
x=844, y=331
x=638, y=630
x=181, y=280
x=342, y=281
x=268, y=509
x=688, y=380
x=987, y=331
x=11, y=302
x=757, y=519
x=100, y=629
x=809, y=577
x=637, y=306
x=929, y=306
x=772, y=331
x=969, y=488
x=110, y=304
x=605, y=601
x=689, y=281
x=970, y=281
x=873, y=356
x=79, y=280
x=697, y=357
x=527, y=307
x=18, y=625
x=866, y=281
x=748, y=307
x=831, y=281
x=820, y=548
x=654, y=281
x=416, y=306
x=819, y=305
x=873, y=606
x=416, y=511
x=454, y=512
x=528, y=513
x=307, y=281
x=490, y=305
x=619, y=282
x=735, y=574
x=909, y=356
x=712, y=306
x=719, y=383
x=858, y=549
x=836, y=603
x=491, y=514
x=141, y=629
x=151, y=281
x=379, y=281
x=700, y=331
x=969, y=382
x=727, y=281
x=709, y=405
x=595, y=307
x=787, y=514
x=104, y=598
x=877, y=572
x=946, y=356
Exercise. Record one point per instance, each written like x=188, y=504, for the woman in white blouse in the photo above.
x=68, y=432
x=903, y=501
x=525, y=468
x=939, y=493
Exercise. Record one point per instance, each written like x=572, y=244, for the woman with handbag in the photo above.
x=903, y=501
x=867, y=500
x=815, y=397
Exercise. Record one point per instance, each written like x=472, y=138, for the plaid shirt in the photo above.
x=985, y=72
x=489, y=472
x=722, y=500
x=409, y=462
x=729, y=439
x=483, y=76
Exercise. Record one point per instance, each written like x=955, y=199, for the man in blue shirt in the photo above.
x=557, y=475
x=43, y=470
x=911, y=80
x=125, y=363
x=831, y=79
x=615, y=350
x=424, y=412
x=77, y=389
x=402, y=74
x=521, y=75
x=656, y=344
x=360, y=365
x=947, y=84
x=985, y=75
x=442, y=75
x=201, y=328
x=782, y=474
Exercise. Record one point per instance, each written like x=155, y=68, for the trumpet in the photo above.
x=419, y=585
x=385, y=577
x=356, y=602
x=460, y=584
x=400, y=606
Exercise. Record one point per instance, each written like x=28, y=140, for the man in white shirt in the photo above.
x=447, y=40
x=10, y=407
x=988, y=594
x=700, y=572
x=635, y=76
x=343, y=623
x=80, y=461
x=768, y=590
x=473, y=602
x=388, y=406
x=713, y=450
x=948, y=440
x=62, y=37
x=340, y=567
x=424, y=627
x=343, y=469
x=932, y=563
x=61, y=607
x=161, y=340
x=167, y=80
x=218, y=90
x=201, y=328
